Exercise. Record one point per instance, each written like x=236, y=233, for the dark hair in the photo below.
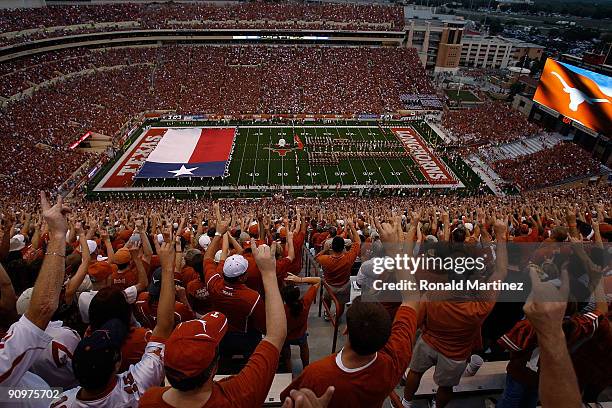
x=123, y=266
x=180, y=382
x=368, y=325
x=291, y=296
x=459, y=234
x=197, y=263
x=337, y=244
x=104, y=362
x=233, y=279
x=108, y=303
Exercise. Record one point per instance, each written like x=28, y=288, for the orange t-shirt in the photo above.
x=297, y=325
x=453, y=328
x=125, y=279
x=337, y=267
x=370, y=385
x=249, y=388
x=146, y=313
x=298, y=246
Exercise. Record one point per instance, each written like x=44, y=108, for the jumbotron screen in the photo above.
x=579, y=94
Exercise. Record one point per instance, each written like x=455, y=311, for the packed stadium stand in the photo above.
x=300, y=278
x=481, y=125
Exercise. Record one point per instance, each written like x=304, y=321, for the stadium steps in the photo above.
x=486, y=173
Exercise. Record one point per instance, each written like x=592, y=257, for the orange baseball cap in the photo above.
x=122, y=256
x=282, y=232
x=192, y=346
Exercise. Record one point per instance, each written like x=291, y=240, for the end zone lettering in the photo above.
x=132, y=160
x=430, y=166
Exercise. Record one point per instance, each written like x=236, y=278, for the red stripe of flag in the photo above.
x=214, y=145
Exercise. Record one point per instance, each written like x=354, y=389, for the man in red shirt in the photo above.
x=229, y=295
x=192, y=352
x=146, y=305
x=337, y=264
x=299, y=235
x=376, y=353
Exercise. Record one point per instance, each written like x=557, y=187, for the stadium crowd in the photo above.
x=547, y=167
x=47, y=22
x=481, y=125
x=252, y=80
x=117, y=284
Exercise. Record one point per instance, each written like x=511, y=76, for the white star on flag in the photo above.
x=183, y=171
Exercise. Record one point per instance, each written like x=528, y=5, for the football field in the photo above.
x=305, y=158
x=258, y=161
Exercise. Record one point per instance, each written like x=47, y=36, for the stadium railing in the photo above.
x=334, y=317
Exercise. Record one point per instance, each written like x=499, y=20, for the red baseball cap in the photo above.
x=192, y=346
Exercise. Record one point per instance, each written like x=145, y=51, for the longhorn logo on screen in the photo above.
x=565, y=88
x=577, y=97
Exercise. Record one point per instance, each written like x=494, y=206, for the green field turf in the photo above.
x=462, y=96
x=255, y=165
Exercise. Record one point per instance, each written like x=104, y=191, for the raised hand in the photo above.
x=387, y=231
x=166, y=255
x=500, y=227
x=264, y=257
x=546, y=305
x=56, y=215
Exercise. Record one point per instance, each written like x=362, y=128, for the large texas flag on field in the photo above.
x=190, y=152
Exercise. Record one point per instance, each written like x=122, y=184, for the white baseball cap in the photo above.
x=204, y=241
x=24, y=301
x=218, y=256
x=92, y=245
x=469, y=226
x=17, y=243
x=160, y=238
x=235, y=266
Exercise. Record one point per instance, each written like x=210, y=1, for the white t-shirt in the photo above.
x=22, y=345
x=54, y=364
x=129, y=386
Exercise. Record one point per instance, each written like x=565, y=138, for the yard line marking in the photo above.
x=255, y=161
x=324, y=167
x=348, y=160
x=306, y=154
x=269, y=153
x=242, y=158
x=364, y=163
x=392, y=169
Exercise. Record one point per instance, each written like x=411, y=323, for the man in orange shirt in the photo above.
x=100, y=268
x=451, y=330
x=191, y=356
x=337, y=264
x=129, y=264
x=376, y=352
